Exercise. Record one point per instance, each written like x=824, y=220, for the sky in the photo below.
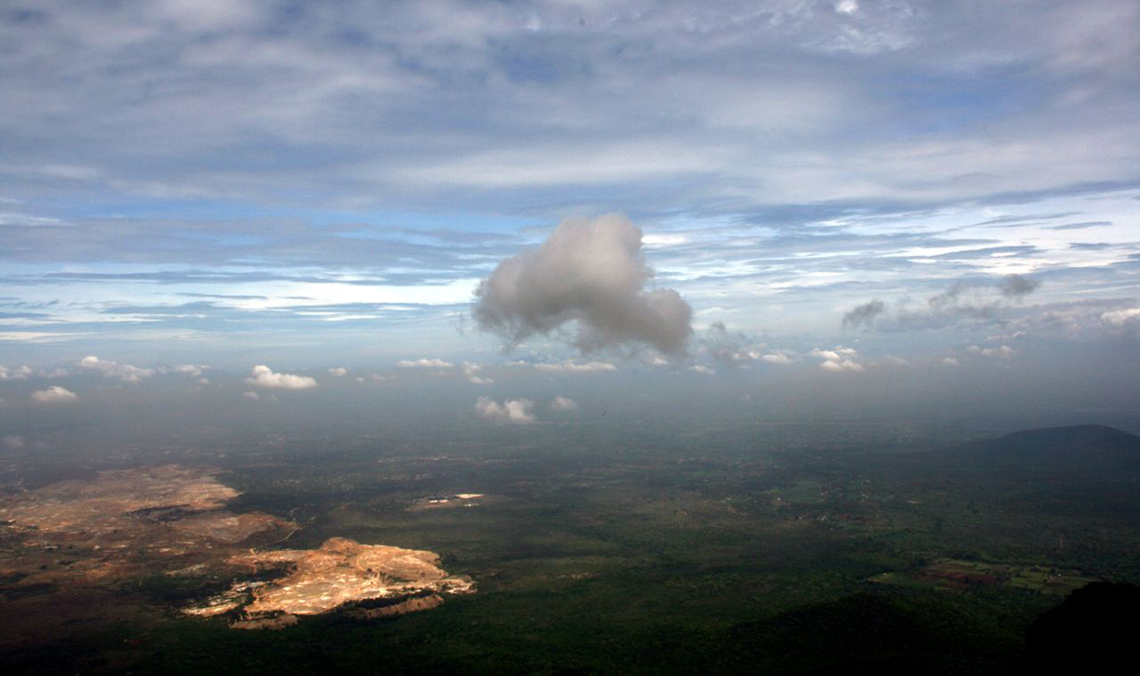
x=826, y=195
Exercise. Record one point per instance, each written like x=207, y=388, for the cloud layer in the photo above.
x=590, y=273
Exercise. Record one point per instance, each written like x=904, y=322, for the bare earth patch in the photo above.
x=342, y=571
x=127, y=522
x=171, y=520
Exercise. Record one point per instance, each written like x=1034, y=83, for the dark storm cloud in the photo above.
x=589, y=272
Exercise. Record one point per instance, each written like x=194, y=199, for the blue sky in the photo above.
x=324, y=185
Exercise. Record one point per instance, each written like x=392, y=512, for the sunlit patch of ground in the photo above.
x=127, y=522
x=170, y=520
x=342, y=571
x=954, y=573
x=449, y=501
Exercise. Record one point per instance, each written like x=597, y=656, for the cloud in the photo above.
x=1000, y=352
x=966, y=302
x=1120, y=318
x=702, y=369
x=191, y=370
x=12, y=441
x=112, y=369
x=424, y=364
x=730, y=348
x=53, y=395
x=950, y=361
x=338, y=372
x=251, y=395
x=517, y=411
x=841, y=365
x=562, y=403
x=590, y=273
x=1017, y=286
x=776, y=358
x=575, y=367
x=471, y=372
x=838, y=360
x=18, y=373
x=263, y=376
x=863, y=315
x=697, y=142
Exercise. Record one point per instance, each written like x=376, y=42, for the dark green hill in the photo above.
x=1081, y=441
x=1061, y=452
x=1083, y=472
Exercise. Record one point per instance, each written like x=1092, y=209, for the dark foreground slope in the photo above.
x=1093, y=632
x=880, y=633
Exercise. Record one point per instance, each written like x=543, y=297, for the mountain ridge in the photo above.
x=1080, y=449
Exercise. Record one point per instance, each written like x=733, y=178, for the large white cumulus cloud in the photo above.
x=590, y=272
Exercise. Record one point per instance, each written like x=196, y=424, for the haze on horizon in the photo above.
x=530, y=212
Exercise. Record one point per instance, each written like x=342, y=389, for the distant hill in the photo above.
x=1078, y=438
x=1081, y=448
